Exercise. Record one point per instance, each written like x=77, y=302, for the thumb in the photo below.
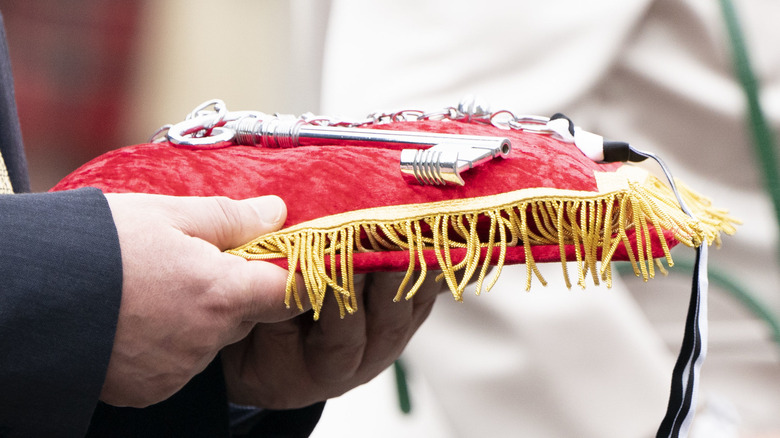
x=227, y=223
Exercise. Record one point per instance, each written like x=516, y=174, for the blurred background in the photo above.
x=95, y=75
x=74, y=63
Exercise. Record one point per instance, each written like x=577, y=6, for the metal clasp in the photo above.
x=204, y=129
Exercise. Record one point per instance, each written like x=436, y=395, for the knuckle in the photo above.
x=336, y=362
x=227, y=213
x=394, y=334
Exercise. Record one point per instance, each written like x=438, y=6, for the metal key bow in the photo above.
x=440, y=164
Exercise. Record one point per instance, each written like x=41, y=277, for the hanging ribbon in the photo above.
x=685, y=377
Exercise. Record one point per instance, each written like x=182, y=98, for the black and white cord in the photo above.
x=685, y=377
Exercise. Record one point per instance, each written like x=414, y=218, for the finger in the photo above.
x=389, y=323
x=267, y=368
x=334, y=345
x=228, y=223
x=425, y=298
x=258, y=290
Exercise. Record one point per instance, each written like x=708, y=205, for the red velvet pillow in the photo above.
x=349, y=209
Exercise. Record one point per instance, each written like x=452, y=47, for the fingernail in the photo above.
x=270, y=209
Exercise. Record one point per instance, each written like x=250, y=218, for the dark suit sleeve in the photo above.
x=10, y=134
x=200, y=410
x=60, y=290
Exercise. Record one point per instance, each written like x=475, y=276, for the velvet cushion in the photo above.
x=541, y=174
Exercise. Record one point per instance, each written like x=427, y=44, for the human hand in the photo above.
x=183, y=299
x=298, y=362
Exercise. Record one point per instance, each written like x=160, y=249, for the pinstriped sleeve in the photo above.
x=60, y=290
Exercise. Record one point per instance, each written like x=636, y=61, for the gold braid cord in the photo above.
x=590, y=221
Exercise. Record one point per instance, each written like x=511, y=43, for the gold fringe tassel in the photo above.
x=590, y=222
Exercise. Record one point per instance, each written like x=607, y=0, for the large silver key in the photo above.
x=442, y=163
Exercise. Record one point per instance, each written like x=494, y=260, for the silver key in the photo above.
x=440, y=164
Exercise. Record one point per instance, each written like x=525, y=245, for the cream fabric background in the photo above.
x=555, y=363
x=550, y=363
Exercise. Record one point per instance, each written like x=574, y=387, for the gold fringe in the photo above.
x=627, y=199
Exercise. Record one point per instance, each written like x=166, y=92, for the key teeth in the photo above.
x=419, y=169
x=429, y=164
x=437, y=170
x=433, y=167
x=427, y=168
x=443, y=163
x=416, y=169
x=424, y=167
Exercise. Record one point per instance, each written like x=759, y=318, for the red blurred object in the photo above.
x=72, y=63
